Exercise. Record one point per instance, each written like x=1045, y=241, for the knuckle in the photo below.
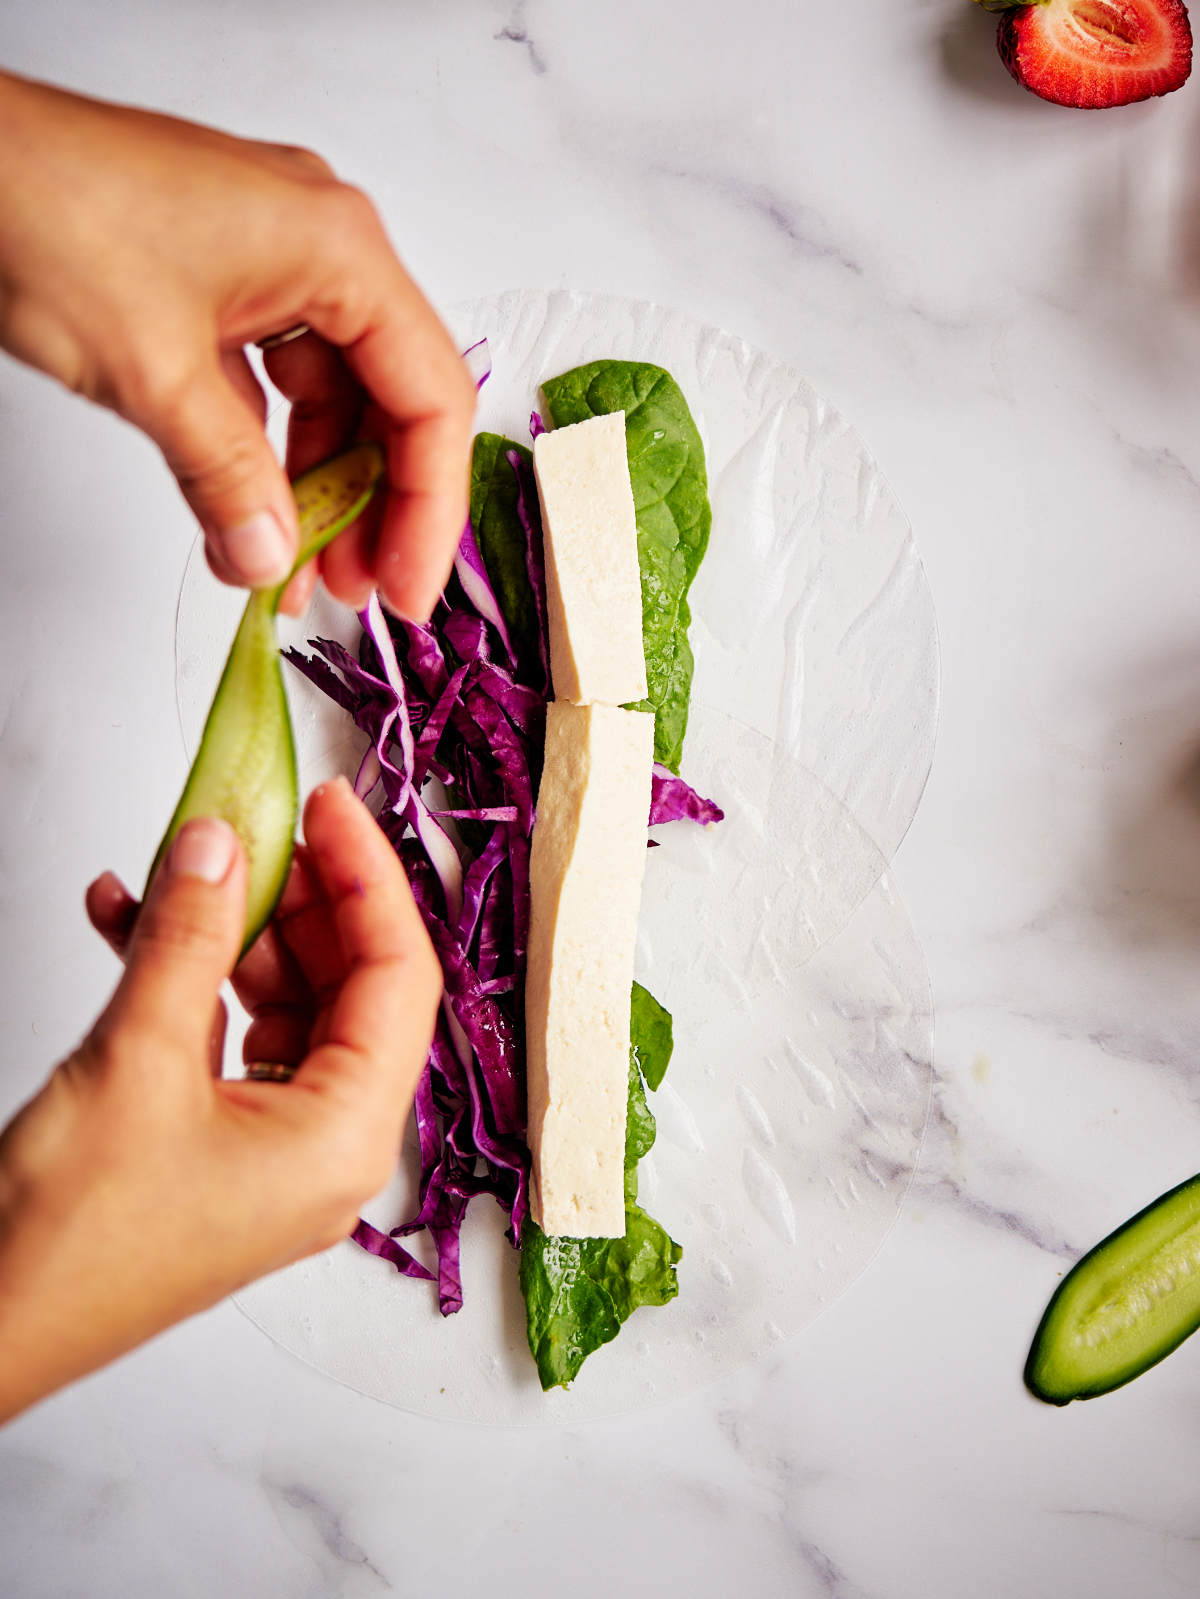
x=306, y=162
x=30, y=1144
x=155, y=386
x=352, y=212
x=177, y=927
x=101, y=1050
x=212, y=466
x=195, y=417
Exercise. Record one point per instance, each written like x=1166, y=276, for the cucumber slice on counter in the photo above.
x=1124, y=1306
x=245, y=768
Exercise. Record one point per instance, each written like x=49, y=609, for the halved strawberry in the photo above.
x=1094, y=53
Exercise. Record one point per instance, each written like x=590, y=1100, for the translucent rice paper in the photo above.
x=813, y=621
x=791, y=1117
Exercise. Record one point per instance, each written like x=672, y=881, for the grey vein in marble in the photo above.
x=514, y=31
x=943, y=1187
x=762, y=201
x=784, y=1479
x=1130, y=1042
x=327, y=1524
x=1139, y=1046
x=765, y=202
x=1163, y=463
x=832, y=1578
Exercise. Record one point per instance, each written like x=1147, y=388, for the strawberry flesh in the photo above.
x=1094, y=53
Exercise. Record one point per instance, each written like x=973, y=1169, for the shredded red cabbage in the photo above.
x=673, y=800
x=450, y=702
x=377, y=1243
x=535, y=564
x=477, y=358
x=472, y=574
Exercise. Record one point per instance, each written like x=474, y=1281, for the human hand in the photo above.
x=167, y=248
x=138, y=1188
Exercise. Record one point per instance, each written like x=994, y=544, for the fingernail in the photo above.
x=341, y=781
x=415, y=615
x=258, y=548
x=205, y=849
x=111, y=886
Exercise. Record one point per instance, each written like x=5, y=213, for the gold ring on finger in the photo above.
x=274, y=340
x=269, y=1071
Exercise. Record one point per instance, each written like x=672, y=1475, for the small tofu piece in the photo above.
x=593, y=584
x=586, y=865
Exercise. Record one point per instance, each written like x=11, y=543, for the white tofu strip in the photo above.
x=588, y=855
x=593, y=585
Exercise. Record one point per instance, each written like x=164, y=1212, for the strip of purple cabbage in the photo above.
x=535, y=560
x=386, y=1247
x=674, y=800
x=478, y=360
x=477, y=587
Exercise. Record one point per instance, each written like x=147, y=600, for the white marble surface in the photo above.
x=1005, y=298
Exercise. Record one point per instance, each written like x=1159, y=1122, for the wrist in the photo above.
x=48, y=1332
x=26, y=1373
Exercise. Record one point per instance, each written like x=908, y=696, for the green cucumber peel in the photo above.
x=1125, y=1306
x=329, y=497
x=245, y=767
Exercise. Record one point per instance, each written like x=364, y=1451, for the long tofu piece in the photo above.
x=587, y=859
x=593, y=585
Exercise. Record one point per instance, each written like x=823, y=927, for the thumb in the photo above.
x=186, y=939
x=214, y=442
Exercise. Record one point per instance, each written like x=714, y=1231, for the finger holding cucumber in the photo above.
x=245, y=768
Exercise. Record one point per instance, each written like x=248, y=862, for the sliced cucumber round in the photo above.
x=1128, y=1303
x=245, y=767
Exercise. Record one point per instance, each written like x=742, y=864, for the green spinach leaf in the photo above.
x=501, y=536
x=638, y=1269
x=578, y=1291
x=568, y=1313
x=650, y=1034
x=670, y=494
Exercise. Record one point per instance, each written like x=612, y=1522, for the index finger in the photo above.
x=380, y=1024
x=403, y=356
x=326, y=408
x=326, y=402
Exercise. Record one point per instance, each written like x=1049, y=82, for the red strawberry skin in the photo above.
x=1096, y=53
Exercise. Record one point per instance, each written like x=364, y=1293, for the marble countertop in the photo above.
x=1004, y=297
